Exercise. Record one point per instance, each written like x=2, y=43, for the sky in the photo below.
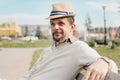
x=36, y=11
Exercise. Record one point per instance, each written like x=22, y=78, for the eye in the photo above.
x=52, y=24
x=61, y=24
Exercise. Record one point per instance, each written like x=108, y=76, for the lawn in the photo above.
x=25, y=44
x=113, y=54
x=35, y=57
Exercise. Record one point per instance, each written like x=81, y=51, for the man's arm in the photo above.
x=98, y=65
x=99, y=70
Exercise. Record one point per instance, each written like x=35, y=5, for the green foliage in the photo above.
x=24, y=44
x=40, y=35
x=91, y=43
x=113, y=45
x=12, y=36
x=88, y=22
x=99, y=41
x=0, y=39
x=116, y=42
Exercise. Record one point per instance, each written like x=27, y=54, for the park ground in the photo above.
x=14, y=62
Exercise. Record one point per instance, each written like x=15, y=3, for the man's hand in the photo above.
x=96, y=71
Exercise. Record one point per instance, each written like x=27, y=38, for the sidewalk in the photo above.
x=14, y=62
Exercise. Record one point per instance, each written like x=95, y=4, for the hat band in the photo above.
x=53, y=13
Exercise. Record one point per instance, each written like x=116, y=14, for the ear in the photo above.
x=73, y=26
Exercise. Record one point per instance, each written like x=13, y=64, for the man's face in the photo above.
x=60, y=29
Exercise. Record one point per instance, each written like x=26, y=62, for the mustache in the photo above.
x=57, y=32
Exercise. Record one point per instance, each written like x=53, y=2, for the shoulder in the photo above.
x=80, y=43
x=84, y=48
x=46, y=50
x=79, y=46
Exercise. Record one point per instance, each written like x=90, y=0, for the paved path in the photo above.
x=14, y=62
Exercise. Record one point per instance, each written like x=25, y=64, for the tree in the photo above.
x=26, y=31
x=88, y=23
x=38, y=32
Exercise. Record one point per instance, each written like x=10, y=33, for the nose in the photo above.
x=56, y=27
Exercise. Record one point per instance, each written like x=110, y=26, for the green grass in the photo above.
x=35, y=57
x=24, y=44
x=113, y=54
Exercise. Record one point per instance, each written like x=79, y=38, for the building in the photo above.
x=30, y=30
x=10, y=29
x=99, y=34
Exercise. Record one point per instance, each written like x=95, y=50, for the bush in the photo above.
x=43, y=37
x=91, y=43
x=113, y=46
x=0, y=39
x=116, y=42
x=40, y=35
x=100, y=42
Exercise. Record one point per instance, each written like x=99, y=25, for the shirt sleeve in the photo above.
x=88, y=55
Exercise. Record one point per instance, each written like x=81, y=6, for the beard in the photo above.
x=58, y=36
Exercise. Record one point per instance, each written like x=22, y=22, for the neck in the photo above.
x=72, y=39
x=57, y=44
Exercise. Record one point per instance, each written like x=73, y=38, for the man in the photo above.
x=67, y=56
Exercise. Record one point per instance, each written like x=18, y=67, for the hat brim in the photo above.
x=59, y=16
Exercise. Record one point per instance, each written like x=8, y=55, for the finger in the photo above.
x=87, y=74
x=92, y=75
x=98, y=77
x=102, y=77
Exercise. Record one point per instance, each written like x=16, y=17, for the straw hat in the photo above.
x=61, y=9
